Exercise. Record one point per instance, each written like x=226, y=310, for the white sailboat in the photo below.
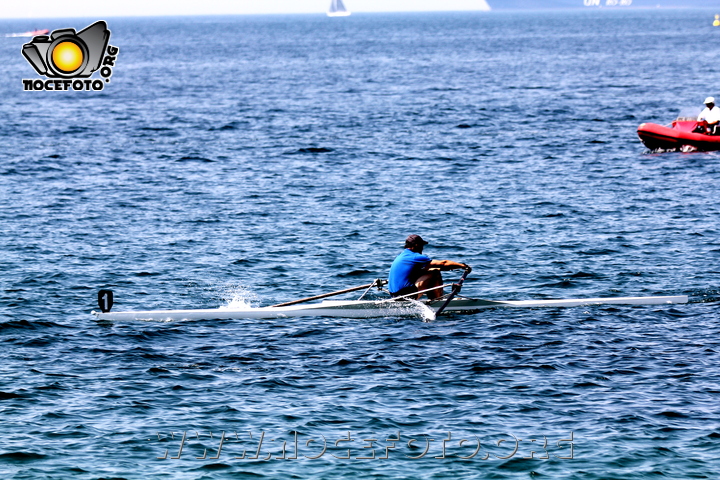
x=337, y=9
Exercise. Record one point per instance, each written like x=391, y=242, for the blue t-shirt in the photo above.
x=406, y=269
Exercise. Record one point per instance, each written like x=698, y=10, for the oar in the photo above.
x=456, y=289
x=377, y=283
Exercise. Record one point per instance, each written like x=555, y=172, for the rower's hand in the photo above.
x=467, y=267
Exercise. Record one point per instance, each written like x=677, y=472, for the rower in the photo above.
x=710, y=115
x=411, y=271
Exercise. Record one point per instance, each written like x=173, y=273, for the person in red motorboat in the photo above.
x=709, y=118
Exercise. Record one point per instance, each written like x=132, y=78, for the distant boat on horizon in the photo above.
x=337, y=9
x=32, y=33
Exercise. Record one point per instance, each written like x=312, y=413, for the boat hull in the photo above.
x=678, y=137
x=370, y=309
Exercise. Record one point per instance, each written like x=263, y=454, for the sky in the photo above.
x=124, y=8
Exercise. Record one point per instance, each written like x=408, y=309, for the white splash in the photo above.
x=238, y=297
x=427, y=313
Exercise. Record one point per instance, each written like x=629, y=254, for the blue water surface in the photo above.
x=260, y=159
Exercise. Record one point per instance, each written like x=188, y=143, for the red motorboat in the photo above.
x=685, y=134
x=32, y=33
x=35, y=33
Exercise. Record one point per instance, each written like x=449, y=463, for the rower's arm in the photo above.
x=447, y=265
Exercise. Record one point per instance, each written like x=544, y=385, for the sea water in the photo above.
x=260, y=159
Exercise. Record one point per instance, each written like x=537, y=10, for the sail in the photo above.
x=337, y=9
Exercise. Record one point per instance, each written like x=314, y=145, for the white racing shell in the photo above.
x=373, y=308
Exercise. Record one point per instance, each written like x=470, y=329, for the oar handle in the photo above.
x=456, y=289
x=458, y=286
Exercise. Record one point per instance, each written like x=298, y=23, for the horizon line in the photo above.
x=361, y=12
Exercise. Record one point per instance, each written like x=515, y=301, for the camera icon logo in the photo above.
x=68, y=54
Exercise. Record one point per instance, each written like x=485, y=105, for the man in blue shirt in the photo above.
x=411, y=271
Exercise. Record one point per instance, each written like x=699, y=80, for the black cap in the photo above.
x=413, y=240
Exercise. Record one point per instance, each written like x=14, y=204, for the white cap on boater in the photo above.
x=709, y=100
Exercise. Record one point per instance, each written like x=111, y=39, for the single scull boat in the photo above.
x=390, y=307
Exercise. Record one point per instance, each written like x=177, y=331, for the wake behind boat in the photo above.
x=401, y=306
